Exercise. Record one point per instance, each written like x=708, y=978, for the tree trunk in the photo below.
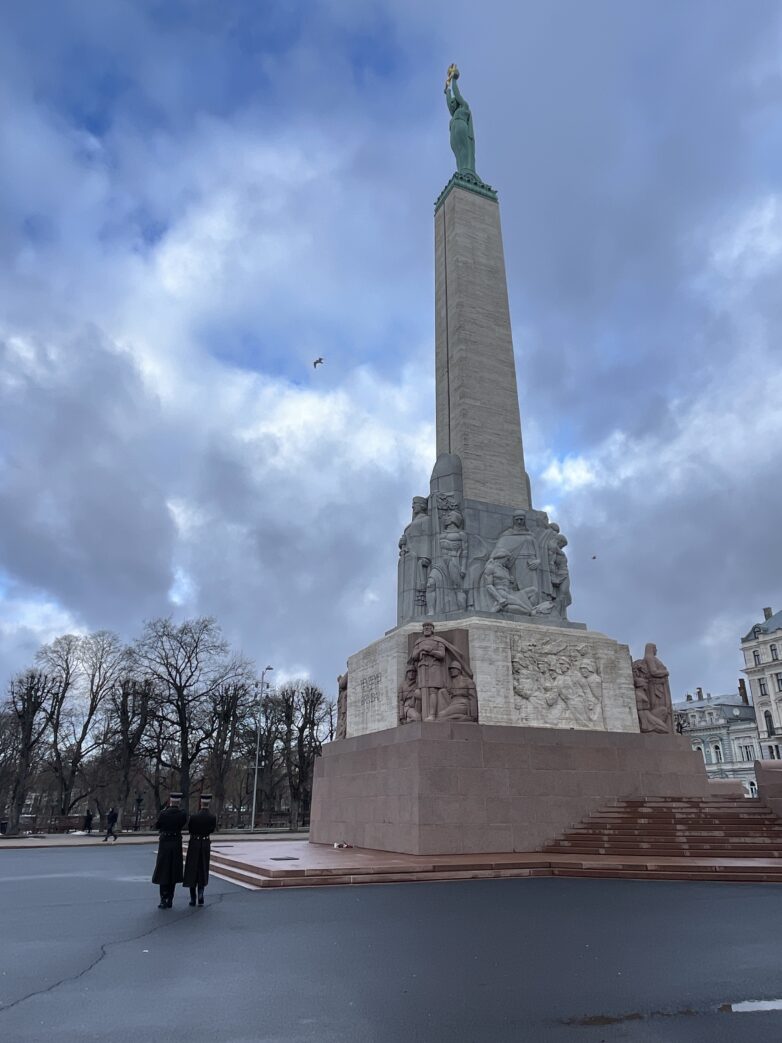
x=294, y=814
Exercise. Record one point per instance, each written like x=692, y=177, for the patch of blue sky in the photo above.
x=39, y=229
x=139, y=228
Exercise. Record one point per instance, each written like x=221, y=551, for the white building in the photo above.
x=722, y=728
x=762, y=650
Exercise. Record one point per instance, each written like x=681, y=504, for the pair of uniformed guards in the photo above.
x=169, y=867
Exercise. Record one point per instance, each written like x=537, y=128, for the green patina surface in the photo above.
x=462, y=134
x=472, y=184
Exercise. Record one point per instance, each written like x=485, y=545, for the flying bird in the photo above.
x=318, y=362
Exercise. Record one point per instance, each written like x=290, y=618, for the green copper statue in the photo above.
x=462, y=134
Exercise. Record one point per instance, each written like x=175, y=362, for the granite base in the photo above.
x=430, y=788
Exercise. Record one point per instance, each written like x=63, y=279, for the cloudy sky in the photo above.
x=199, y=198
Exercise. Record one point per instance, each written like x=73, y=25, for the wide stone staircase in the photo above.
x=694, y=829
x=707, y=838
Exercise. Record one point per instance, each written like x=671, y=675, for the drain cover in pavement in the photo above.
x=283, y=858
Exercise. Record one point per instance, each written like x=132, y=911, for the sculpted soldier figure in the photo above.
x=429, y=659
x=459, y=701
x=503, y=589
x=414, y=560
x=445, y=587
x=559, y=575
x=652, y=693
x=199, y=849
x=342, y=706
x=518, y=544
x=409, y=697
x=545, y=544
x=168, y=866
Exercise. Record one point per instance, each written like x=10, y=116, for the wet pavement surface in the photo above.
x=86, y=955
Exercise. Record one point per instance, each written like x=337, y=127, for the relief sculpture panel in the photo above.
x=438, y=683
x=556, y=684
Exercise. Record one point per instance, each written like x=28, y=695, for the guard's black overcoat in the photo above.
x=201, y=824
x=168, y=867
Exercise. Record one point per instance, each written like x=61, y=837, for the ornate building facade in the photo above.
x=722, y=728
x=762, y=651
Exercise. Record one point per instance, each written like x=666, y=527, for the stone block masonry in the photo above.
x=467, y=788
x=477, y=399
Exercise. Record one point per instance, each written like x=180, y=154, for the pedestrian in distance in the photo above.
x=168, y=866
x=88, y=822
x=111, y=821
x=199, y=849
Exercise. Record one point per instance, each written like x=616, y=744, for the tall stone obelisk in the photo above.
x=464, y=729
x=477, y=399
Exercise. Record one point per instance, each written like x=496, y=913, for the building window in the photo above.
x=774, y=653
x=779, y=682
x=769, y=723
x=756, y=657
x=762, y=686
x=753, y=789
x=771, y=753
x=717, y=753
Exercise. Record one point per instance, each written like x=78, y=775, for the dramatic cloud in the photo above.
x=198, y=200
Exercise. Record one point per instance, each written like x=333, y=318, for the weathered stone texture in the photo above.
x=377, y=672
x=477, y=399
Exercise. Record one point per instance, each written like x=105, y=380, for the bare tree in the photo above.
x=30, y=696
x=190, y=661
x=304, y=710
x=130, y=701
x=230, y=704
x=85, y=669
x=158, y=762
x=9, y=754
x=264, y=731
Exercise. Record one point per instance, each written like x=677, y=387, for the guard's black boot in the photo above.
x=163, y=898
x=200, y=896
x=192, y=896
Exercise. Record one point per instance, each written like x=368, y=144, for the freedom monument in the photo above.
x=487, y=720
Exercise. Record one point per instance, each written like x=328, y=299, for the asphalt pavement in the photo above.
x=86, y=955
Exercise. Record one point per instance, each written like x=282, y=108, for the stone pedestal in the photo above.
x=527, y=674
x=458, y=788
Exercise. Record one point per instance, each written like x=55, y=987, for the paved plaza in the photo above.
x=86, y=955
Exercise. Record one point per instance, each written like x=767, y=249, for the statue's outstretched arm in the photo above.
x=456, y=92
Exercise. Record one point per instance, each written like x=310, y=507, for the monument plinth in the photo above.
x=485, y=691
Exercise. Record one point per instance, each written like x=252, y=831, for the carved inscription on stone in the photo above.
x=556, y=684
x=370, y=690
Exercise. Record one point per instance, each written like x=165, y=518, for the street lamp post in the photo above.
x=264, y=672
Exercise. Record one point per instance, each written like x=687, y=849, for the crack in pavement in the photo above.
x=104, y=951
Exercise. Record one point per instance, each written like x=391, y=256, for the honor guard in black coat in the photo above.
x=168, y=867
x=201, y=824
